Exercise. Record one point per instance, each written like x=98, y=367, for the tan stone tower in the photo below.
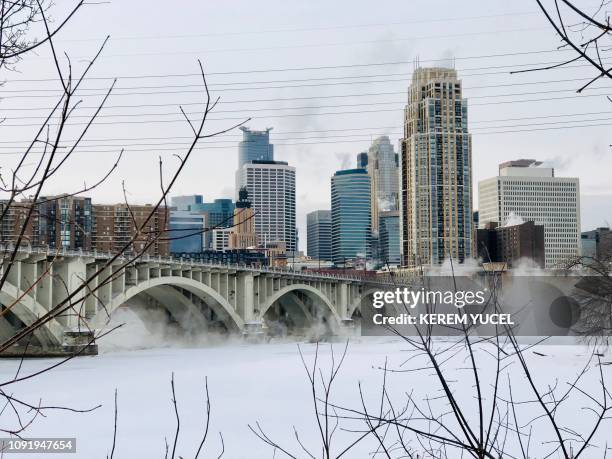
x=435, y=171
x=243, y=232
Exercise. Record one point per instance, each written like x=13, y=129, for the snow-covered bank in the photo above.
x=248, y=383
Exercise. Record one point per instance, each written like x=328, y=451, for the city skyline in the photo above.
x=310, y=138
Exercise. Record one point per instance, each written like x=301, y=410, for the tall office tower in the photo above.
x=218, y=214
x=115, y=225
x=243, y=234
x=525, y=191
x=389, y=237
x=184, y=202
x=382, y=166
x=435, y=171
x=255, y=146
x=362, y=160
x=271, y=190
x=351, y=215
x=318, y=235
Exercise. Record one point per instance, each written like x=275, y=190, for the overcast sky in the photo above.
x=306, y=69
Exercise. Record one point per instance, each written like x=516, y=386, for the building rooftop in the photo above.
x=351, y=171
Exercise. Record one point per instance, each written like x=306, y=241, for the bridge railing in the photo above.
x=64, y=252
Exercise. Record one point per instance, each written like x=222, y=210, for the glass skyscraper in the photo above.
x=382, y=165
x=351, y=215
x=389, y=237
x=219, y=214
x=318, y=235
x=255, y=146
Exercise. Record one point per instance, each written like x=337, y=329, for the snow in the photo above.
x=248, y=383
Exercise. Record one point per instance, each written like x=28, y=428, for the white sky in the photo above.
x=154, y=38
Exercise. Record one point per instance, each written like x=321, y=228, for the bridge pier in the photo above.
x=253, y=332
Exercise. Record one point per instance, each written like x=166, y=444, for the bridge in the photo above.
x=194, y=296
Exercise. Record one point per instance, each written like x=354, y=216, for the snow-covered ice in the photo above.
x=248, y=383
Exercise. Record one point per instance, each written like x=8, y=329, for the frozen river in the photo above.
x=248, y=383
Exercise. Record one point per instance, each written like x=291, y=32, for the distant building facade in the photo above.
x=435, y=171
x=186, y=231
x=271, y=190
x=389, y=238
x=319, y=235
x=382, y=166
x=218, y=214
x=243, y=235
x=525, y=189
x=185, y=202
x=114, y=225
x=597, y=243
x=351, y=215
x=55, y=222
x=509, y=244
x=255, y=146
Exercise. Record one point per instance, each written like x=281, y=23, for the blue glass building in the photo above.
x=351, y=215
x=219, y=214
x=255, y=146
x=389, y=237
x=186, y=230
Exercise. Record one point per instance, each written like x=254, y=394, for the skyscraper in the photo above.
x=271, y=190
x=351, y=215
x=389, y=237
x=524, y=191
x=318, y=235
x=435, y=171
x=243, y=234
x=382, y=166
x=255, y=146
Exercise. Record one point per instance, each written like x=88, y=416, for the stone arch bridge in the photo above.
x=194, y=296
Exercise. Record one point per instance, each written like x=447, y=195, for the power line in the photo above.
x=379, y=129
x=511, y=131
x=318, y=67
x=309, y=29
x=246, y=111
x=312, y=45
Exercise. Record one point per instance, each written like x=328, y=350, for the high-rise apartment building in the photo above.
x=115, y=225
x=319, y=235
x=351, y=215
x=271, y=191
x=382, y=166
x=55, y=222
x=511, y=243
x=435, y=171
x=524, y=190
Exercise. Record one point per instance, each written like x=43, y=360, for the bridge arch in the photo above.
x=155, y=286
x=27, y=310
x=312, y=292
x=356, y=305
